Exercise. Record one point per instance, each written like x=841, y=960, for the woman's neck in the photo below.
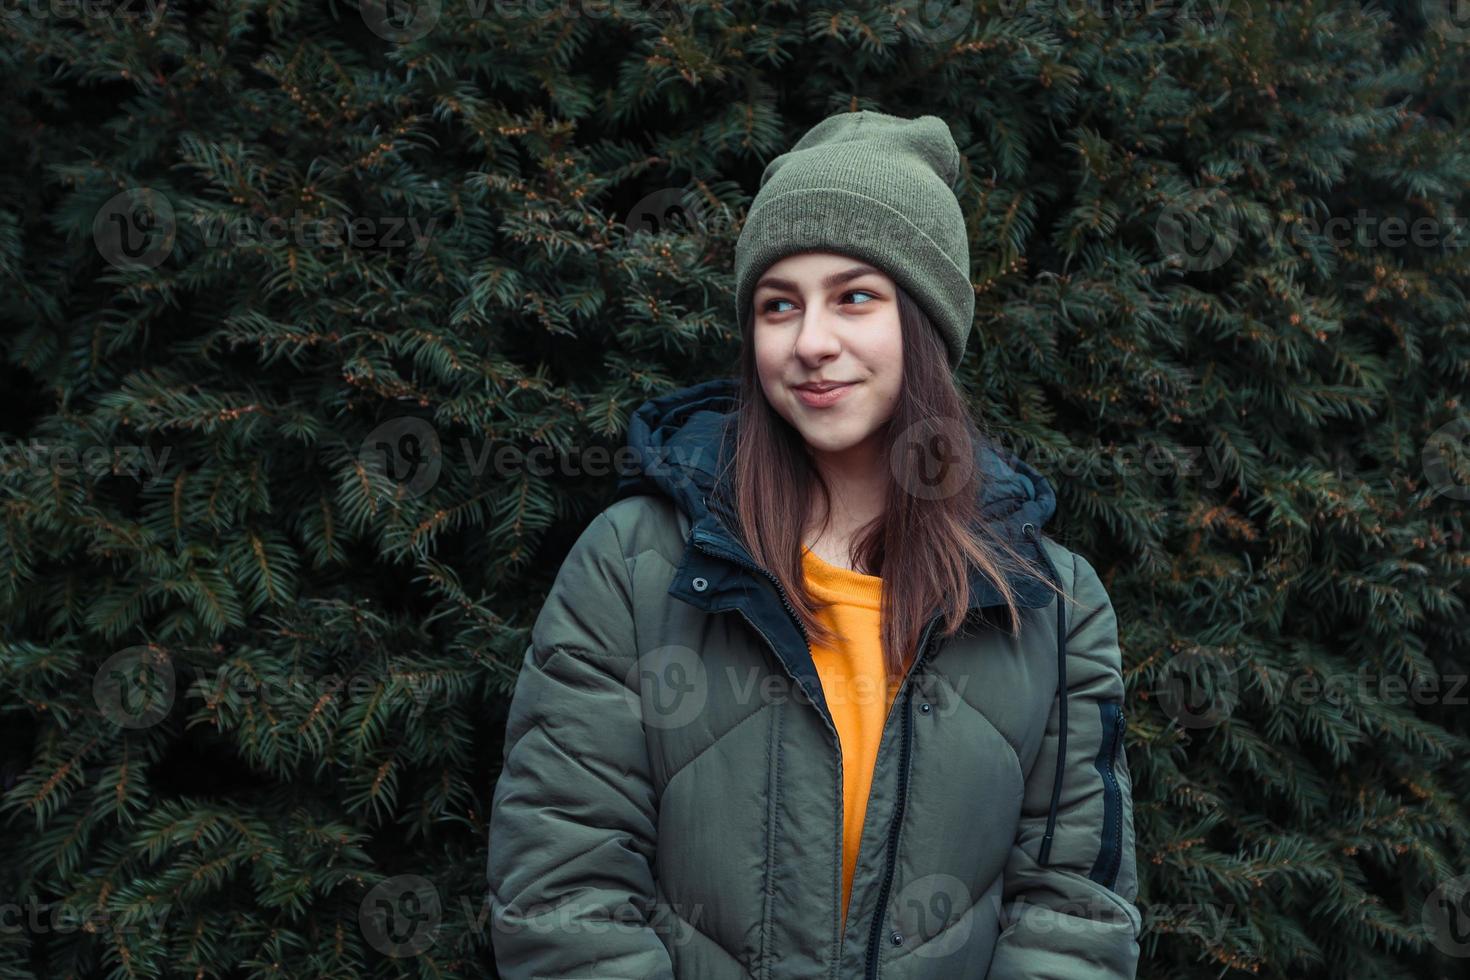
x=857, y=484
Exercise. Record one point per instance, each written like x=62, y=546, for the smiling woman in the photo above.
x=810, y=310
x=946, y=778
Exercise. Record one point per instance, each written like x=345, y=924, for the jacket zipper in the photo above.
x=903, y=790
x=1115, y=858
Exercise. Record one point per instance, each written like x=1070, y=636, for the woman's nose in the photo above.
x=817, y=336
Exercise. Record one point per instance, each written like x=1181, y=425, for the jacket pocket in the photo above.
x=1110, y=852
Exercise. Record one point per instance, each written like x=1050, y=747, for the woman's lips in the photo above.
x=821, y=399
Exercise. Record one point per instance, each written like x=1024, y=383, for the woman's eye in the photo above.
x=769, y=305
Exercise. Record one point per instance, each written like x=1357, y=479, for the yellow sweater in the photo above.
x=854, y=685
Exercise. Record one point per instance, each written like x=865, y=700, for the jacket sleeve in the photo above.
x=573, y=818
x=1074, y=918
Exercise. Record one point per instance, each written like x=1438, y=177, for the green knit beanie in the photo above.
x=878, y=188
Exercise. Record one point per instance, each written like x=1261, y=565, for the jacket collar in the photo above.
x=676, y=440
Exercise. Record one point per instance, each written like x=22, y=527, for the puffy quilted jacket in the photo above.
x=669, y=804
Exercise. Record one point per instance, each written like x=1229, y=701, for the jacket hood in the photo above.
x=676, y=442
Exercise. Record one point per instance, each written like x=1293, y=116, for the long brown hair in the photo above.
x=923, y=539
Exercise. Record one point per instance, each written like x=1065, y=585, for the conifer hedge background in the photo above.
x=323, y=322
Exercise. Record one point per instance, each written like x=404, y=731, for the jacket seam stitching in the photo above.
x=574, y=653
x=712, y=940
x=1020, y=770
x=627, y=580
x=669, y=780
x=546, y=733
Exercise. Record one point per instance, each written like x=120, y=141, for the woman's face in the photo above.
x=823, y=317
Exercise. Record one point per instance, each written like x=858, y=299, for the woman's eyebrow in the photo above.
x=835, y=279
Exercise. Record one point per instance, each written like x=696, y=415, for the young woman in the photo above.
x=814, y=697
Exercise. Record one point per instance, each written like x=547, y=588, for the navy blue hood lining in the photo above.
x=681, y=443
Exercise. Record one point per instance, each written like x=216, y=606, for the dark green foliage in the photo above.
x=338, y=635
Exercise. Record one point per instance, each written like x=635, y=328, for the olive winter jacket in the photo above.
x=670, y=801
